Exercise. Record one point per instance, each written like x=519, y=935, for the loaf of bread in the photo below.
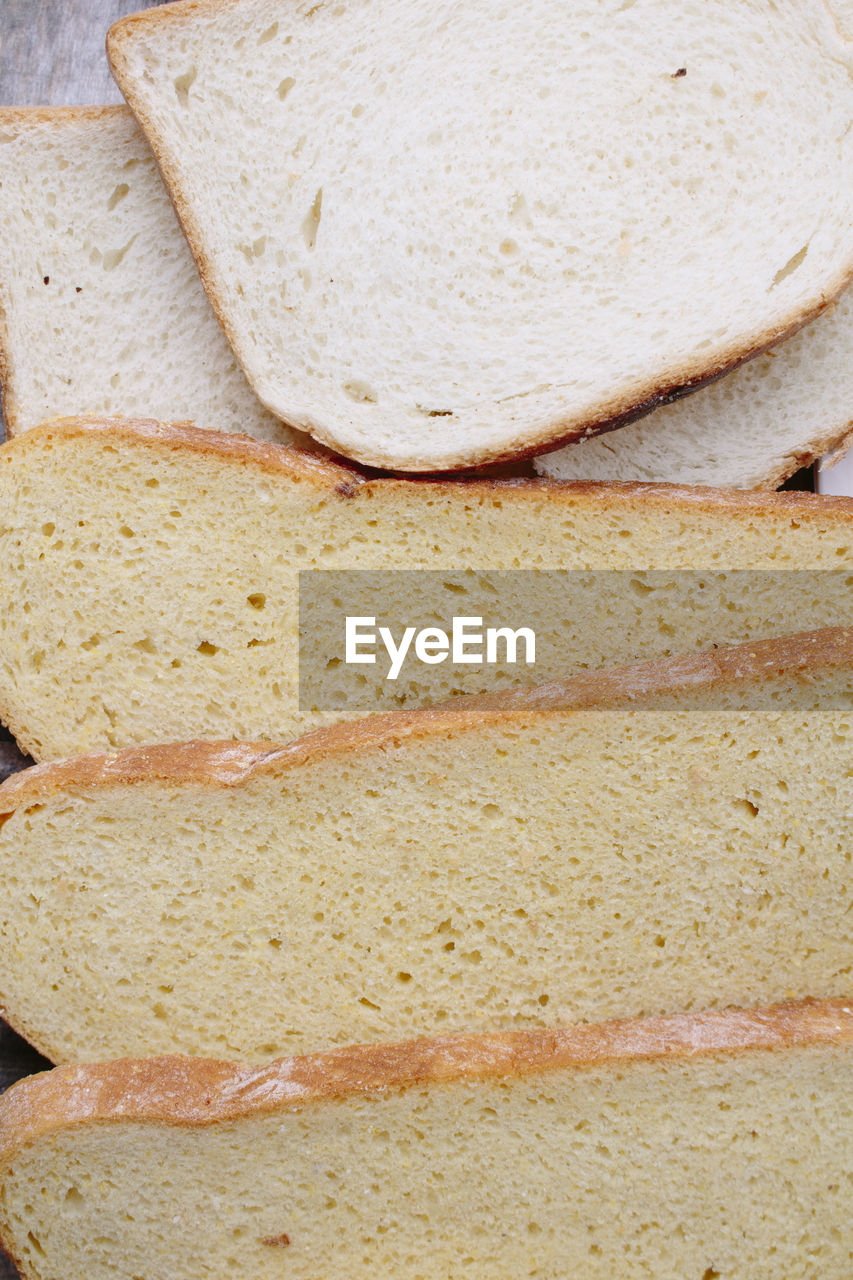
x=571, y=213
x=151, y=583
x=624, y=843
x=750, y=430
x=696, y=1146
x=102, y=307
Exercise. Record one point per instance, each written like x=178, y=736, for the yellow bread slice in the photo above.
x=660, y=838
x=101, y=306
x=149, y=591
x=708, y=1145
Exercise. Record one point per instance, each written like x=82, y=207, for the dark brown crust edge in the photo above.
x=620, y=410
x=798, y=658
x=198, y=1092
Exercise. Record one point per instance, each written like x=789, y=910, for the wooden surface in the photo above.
x=51, y=52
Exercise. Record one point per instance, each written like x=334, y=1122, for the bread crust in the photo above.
x=835, y=443
x=626, y=406
x=343, y=479
x=237, y=764
x=198, y=1092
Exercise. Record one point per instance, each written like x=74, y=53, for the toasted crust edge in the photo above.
x=236, y=764
x=197, y=1093
x=621, y=409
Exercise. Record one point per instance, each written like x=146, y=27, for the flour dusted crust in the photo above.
x=199, y=1092
x=540, y=430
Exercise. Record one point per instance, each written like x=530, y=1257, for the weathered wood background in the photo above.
x=51, y=52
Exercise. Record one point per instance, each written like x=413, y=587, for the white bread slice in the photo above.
x=713, y=1145
x=150, y=587
x=750, y=430
x=661, y=838
x=842, y=11
x=441, y=236
x=101, y=307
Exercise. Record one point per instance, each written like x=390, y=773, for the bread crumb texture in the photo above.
x=524, y=861
x=103, y=310
x=573, y=209
x=750, y=430
x=734, y=1163
x=151, y=584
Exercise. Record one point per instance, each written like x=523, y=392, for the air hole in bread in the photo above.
x=790, y=266
x=114, y=257
x=360, y=391
x=311, y=222
x=183, y=84
x=118, y=195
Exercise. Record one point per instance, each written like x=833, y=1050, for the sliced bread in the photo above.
x=842, y=11
x=150, y=590
x=667, y=837
x=101, y=306
x=698, y=1146
x=573, y=210
x=750, y=430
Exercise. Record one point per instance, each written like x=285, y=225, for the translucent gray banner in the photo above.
x=433, y=635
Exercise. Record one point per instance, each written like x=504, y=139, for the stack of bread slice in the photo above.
x=591, y=938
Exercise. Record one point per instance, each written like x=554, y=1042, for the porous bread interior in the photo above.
x=842, y=11
x=570, y=211
x=150, y=589
x=750, y=430
x=102, y=307
x=578, y=865
x=699, y=1167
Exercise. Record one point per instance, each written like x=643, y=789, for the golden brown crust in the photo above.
x=234, y=764
x=626, y=406
x=343, y=479
x=285, y=460
x=198, y=1092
